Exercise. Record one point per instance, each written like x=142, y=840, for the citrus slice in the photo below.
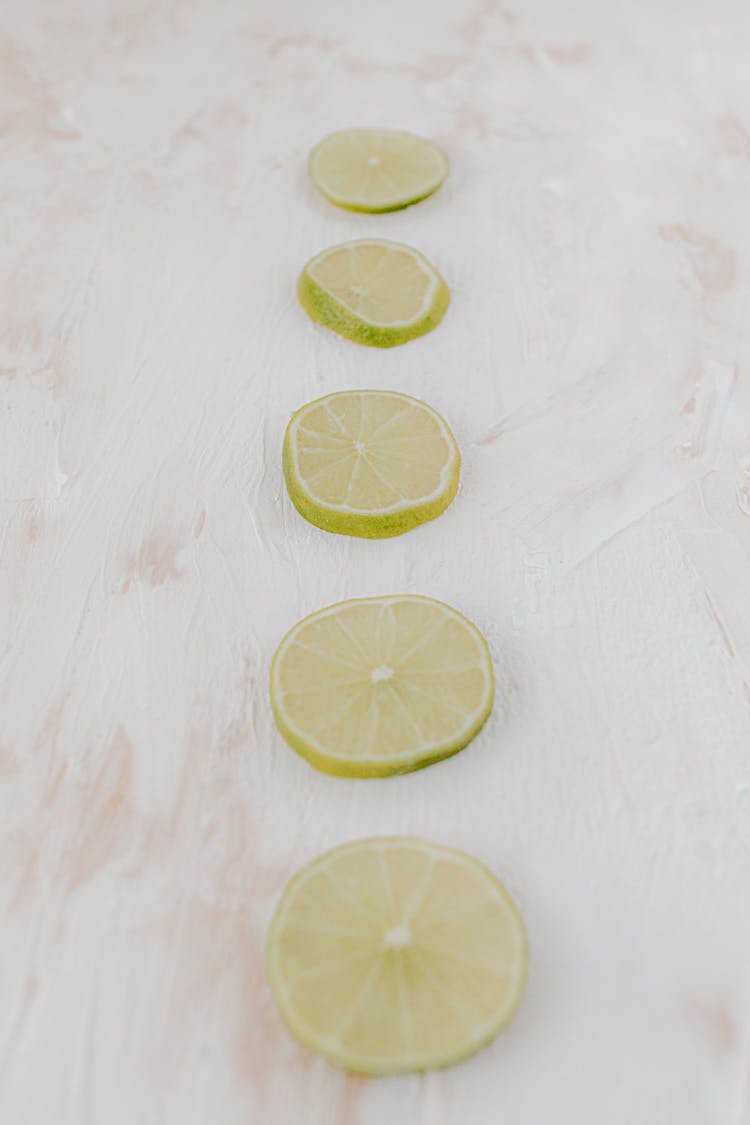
x=370, y=463
x=376, y=169
x=377, y=686
x=373, y=291
x=393, y=955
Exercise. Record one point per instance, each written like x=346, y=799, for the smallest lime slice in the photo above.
x=376, y=169
x=370, y=463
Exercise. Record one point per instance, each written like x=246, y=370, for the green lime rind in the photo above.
x=377, y=766
x=325, y=309
x=365, y=525
x=386, y=209
x=414, y=1064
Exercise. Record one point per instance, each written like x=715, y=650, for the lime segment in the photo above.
x=376, y=169
x=370, y=463
x=373, y=291
x=378, y=686
x=393, y=955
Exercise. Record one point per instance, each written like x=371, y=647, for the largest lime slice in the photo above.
x=393, y=955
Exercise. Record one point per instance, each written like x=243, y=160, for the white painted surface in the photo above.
x=154, y=211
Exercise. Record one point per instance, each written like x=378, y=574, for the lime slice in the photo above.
x=393, y=955
x=373, y=291
x=370, y=463
x=376, y=169
x=378, y=686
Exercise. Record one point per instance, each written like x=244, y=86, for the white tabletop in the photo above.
x=595, y=233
